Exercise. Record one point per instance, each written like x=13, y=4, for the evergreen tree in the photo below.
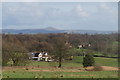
x=88, y=60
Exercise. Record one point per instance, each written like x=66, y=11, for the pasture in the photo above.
x=70, y=69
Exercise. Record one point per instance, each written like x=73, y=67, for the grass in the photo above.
x=99, y=60
x=107, y=61
x=37, y=64
x=76, y=62
x=85, y=74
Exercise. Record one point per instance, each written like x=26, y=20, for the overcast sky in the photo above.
x=60, y=15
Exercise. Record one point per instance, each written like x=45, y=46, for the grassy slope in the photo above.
x=76, y=62
x=85, y=74
x=99, y=60
x=107, y=62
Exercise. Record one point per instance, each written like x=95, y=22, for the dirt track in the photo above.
x=105, y=68
x=53, y=69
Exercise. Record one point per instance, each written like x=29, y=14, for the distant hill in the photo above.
x=31, y=31
x=53, y=30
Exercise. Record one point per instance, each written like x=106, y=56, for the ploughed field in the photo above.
x=70, y=69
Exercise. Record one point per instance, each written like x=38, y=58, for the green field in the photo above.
x=86, y=74
x=99, y=60
x=70, y=69
x=77, y=61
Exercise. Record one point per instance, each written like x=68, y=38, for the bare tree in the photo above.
x=60, y=49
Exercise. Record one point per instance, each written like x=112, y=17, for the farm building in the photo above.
x=42, y=56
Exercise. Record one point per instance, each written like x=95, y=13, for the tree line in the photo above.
x=15, y=46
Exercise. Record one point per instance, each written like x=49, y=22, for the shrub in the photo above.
x=88, y=60
x=26, y=68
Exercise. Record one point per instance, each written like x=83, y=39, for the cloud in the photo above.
x=22, y=13
x=81, y=12
x=63, y=15
x=60, y=0
x=1, y=16
x=24, y=9
x=20, y=0
x=106, y=7
x=54, y=13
